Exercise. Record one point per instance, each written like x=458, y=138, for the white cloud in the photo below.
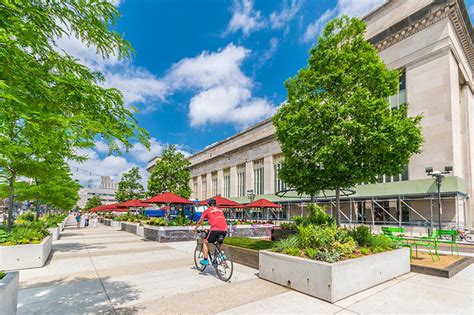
x=268, y=54
x=349, y=7
x=210, y=69
x=281, y=19
x=101, y=146
x=142, y=154
x=245, y=18
x=231, y=104
x=316, y=26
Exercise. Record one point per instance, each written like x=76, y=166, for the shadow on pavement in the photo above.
x=74, y=295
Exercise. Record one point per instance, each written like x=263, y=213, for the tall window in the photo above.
x=395, y=178
x=204, y=186
x=258, y=179
x=214, y=184
x=241, y=180
x=401, y=96
x=227, y=183
x=277, y=182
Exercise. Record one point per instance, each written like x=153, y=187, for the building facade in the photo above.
x=106, y=192
x=431, y=41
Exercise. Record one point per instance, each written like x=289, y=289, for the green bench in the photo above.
x=452, y=239
x=396, y=234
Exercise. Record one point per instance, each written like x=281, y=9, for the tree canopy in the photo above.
x=92, y=203
x=129, y=186
x=170, y=173
x=50, y=104
x=336, y=129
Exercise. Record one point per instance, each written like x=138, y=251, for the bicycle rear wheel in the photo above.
x=469, y=237
x=225, y=266
x=198, y=256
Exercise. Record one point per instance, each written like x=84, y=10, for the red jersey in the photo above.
x=216, y=218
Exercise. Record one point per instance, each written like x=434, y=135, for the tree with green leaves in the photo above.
x=170, y=173
x=92, y=203
x=50, y=104
x=336, y=129
x=129, y=186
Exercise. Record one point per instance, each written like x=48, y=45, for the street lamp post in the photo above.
x=438, y=176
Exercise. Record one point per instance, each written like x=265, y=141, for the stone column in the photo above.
x=209, y=186
x=220, y=182
x=233, y=181
x=191, y=185
x=249, y=176
x=199, y=190
x=268, y=187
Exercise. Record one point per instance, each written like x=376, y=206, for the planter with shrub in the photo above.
x=250, y=230
x=332, y=263
x=9, y=283
x=245, y=250
x=27, y=245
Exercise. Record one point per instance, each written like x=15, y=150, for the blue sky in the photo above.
x=203, y=70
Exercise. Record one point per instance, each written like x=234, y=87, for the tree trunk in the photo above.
x=11, y=191
x=313, y=198
x=338, y=206
x=37, y=206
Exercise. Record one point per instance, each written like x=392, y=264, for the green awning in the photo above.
x=451, y=185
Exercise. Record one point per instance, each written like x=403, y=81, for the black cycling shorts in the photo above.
x=213, y=236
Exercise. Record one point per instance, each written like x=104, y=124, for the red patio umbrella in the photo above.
x=105, y=208
x=134, y=203
x=262, y=203
x=168, y=198
x=222, y=202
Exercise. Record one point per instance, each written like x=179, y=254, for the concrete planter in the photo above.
x=254, y=230
x=165, y=234
x=243, y=256
x=333, y=282
x=9, y=293
x=25, y=256
x=141, y=231
x=54, y=231
x=114, y=224
x=129, y=227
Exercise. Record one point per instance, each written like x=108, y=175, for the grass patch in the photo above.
x=249, y=243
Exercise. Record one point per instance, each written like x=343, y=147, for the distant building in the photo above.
x=106, y=192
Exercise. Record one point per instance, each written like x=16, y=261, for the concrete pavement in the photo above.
x=100, y=270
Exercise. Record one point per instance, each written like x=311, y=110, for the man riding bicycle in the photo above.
x=218, y=223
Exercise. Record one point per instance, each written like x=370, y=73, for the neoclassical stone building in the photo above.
x=432, y=42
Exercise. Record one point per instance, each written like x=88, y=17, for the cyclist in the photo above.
x=218, y=223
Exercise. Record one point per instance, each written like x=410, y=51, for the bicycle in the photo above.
x=220, y=259
x=463, y=234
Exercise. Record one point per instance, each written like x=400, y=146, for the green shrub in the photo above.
x=157, y=221
x=288, y=226
x=28, y=233
x=328, y=255
x=292, y=251
x=27, y=216
x=52, y=220
x=345, y=248
x=381, y=243
x=289, y=242
x=2, y=274
x=311, y=252
x=308, y=235
x=364, y=251
x=250, y=243
x=362, y=235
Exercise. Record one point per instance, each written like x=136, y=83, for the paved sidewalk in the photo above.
x=100, y=270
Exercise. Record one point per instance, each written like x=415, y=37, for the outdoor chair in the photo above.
x=452, y=239
x=396, y=234
x=430, y=242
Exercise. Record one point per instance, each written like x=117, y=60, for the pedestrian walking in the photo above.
x=86, y=219
x=78, y=219
x=95, y=218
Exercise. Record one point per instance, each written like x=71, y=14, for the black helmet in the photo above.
x=211, y=202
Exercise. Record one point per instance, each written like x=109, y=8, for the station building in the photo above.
x=431, y=41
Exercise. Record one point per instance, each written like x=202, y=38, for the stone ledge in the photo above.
x=446, y=272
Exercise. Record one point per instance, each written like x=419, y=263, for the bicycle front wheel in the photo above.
x=225, y=266
x=198, y=256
